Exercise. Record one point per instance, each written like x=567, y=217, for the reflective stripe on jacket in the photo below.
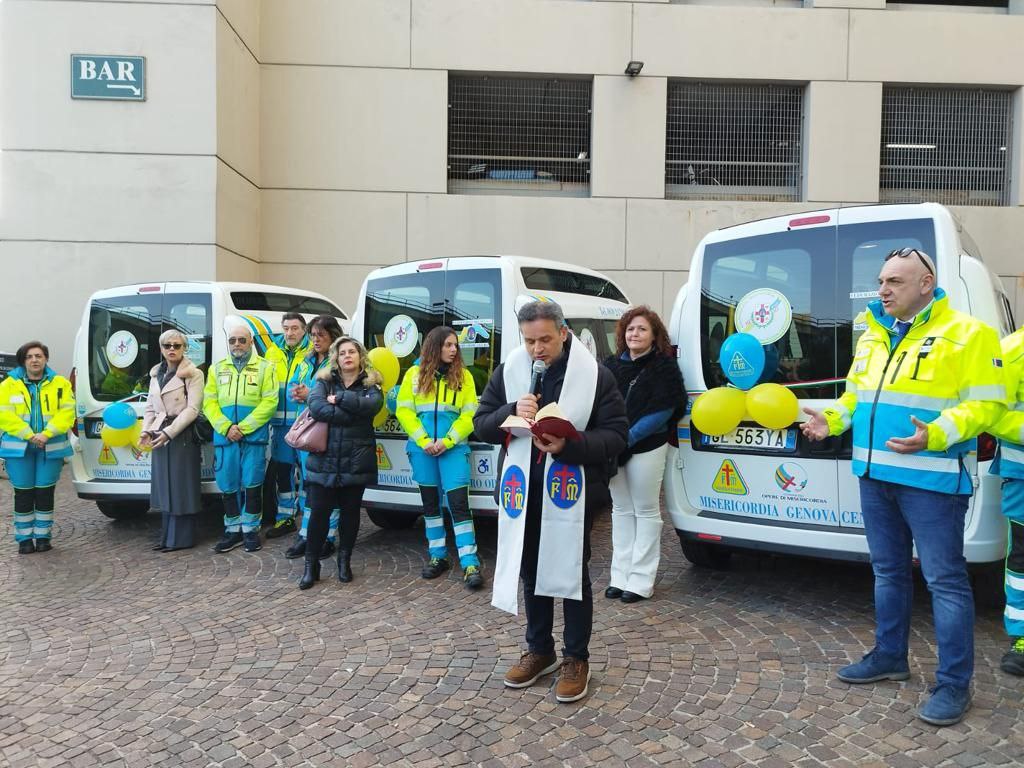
x=286, y=362
x=440, y=414
x=947, y=371
x=247, y=398
x=1010, y=429
x=28, y=408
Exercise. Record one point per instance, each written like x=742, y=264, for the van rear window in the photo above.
x=565, y=281
x=827, y=275
x=256, y=301
x=124, y=333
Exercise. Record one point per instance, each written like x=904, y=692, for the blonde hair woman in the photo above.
x=346, y=397
x=175, y=401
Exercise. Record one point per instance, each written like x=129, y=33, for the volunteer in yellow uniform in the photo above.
x=37, y=408
x=924, y=382
x=239, y=401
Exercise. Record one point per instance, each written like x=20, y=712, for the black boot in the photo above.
x=344, y=567
x=311, y=574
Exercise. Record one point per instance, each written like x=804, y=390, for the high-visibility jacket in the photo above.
x=947, y=371
x=286, y=362
x=247, y=398
x=440, y=414
x=1010, y=429
x=28, y=408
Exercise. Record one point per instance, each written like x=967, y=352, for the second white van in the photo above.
x=399, y=305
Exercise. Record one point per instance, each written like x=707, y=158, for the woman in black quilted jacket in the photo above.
x=347, y=396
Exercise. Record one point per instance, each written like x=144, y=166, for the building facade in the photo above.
x=306, y=142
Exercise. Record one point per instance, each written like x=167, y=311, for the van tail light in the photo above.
x=73, y=378
x=986, y=447
x=708, y=537
x=808, y=220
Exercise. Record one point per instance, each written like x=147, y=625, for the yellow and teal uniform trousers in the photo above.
x=441, y=414
x=28, y=408
x=286, y=459
x=1009, y=465
x=305, y=374
x=247, y=398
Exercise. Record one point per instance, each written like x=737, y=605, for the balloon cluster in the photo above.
x=383, y=360
x=745, y=363
x=121, y=426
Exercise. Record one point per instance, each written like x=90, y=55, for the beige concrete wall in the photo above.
x=628, y=139
x=345, y=128
x=842, y=133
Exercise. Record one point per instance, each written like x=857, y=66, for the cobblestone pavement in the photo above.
x=111, y=654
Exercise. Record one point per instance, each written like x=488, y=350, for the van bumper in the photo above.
x=128, y=490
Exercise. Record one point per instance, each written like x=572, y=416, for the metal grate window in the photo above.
x=518, y=135
x=945, y=145
x=733, y=141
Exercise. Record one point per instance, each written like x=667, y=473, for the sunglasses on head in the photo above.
x=904, y=253
x=172, y=345
x=238, y=340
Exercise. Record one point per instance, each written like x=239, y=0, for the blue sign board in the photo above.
x=122, y=78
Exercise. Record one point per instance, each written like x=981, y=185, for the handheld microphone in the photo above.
x=539, y=367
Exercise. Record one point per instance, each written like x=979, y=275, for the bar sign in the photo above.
x=120, y=78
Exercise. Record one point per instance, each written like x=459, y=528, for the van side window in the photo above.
x=264, y=301
x=564, y=281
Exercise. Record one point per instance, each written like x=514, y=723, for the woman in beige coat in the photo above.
x=175, y=401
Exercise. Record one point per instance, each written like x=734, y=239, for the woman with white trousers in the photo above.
x=652, y=386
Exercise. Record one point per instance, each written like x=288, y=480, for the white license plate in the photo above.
x=391, y=427
x=753, y=437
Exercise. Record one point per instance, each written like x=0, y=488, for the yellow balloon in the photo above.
x=384, y=360
x=719, y=410
x=118, y=438
x=772, y=406
x=381, y=417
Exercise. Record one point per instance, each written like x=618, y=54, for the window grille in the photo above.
x=518, y=135
x=733, y=141
x=945, y=145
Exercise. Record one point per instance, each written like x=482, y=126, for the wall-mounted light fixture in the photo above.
x=634, y=67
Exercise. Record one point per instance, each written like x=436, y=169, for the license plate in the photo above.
x=391, y=427
x=753, y=437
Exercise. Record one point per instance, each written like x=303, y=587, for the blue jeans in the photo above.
x=897, y=517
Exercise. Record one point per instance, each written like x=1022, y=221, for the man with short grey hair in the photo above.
x=549, y=490
x=239, y=401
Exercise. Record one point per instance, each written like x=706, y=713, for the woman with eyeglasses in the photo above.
x=346, y=396
x=175, y=401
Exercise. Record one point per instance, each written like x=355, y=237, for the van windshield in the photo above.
x=823, y=277
x=401, y=310
x=124, y=334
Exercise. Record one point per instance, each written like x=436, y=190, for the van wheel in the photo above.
x=392, y=520
x=987, y=583
x=705, y=555
x=123, y=510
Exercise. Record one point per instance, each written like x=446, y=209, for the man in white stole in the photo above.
x=549, y=489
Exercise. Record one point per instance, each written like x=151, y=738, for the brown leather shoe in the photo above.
x=530, y=667
x=572, y=680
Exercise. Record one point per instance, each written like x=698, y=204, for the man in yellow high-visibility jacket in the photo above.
x=239, y=401
x=924, y=382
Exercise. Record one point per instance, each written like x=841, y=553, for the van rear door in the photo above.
x=400, y=310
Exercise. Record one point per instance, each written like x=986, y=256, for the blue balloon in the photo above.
x=391, y=400
x=771, y=363
x=119, y=416
x=742, y=359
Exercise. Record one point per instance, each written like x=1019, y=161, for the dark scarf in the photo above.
x=649, y=384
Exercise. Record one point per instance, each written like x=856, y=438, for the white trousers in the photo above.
x=636, y=522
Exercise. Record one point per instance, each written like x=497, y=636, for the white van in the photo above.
x=761, y=489
x=399, y=305
x=116, y=347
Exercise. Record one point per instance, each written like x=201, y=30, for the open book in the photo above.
x=549, y=421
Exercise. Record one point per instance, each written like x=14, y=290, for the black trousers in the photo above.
x=540, y=611
x=322, y=500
